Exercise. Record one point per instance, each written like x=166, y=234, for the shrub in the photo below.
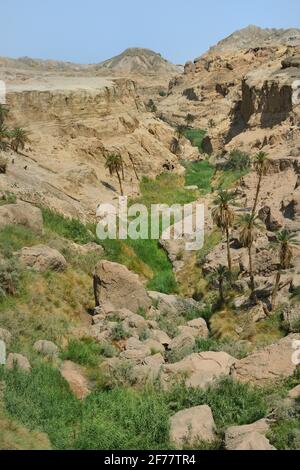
x=118, y=333
x=190, y=94
x=10, y=277
x=151, y=106
x=162, y=93
x=7, y=198
x=238, y=160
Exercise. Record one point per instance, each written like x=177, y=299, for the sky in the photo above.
x=90, y=31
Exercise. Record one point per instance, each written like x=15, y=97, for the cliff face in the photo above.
x=269, y=97
x=71, y=100
x=74, y=123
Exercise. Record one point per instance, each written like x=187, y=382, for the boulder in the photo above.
x=191, y=426
x=200, y=325
x=294, y=394
x=172, y=303
x=22, y=214
x=135, y=351
x=254, y=441
x=5, y=336
x=46, y=348
x=269, y=364
x=115, y=283
x=149, y=371
x=42, y=258
x=76, y=378
x=237, y=436
x=182, y=342
x=161, y=337
x=17, y=360
x=199, y=370
x=154, y=346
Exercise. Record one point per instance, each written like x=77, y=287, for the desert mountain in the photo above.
x=253, y=36
x=138, y=60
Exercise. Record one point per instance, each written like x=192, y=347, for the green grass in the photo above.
x=120, y=418
x=85, y=352
x=196, y=137
x=199, y=174
x=15, y=237
x=227, y=179
x=71, y=229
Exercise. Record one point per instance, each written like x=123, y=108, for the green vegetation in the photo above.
x=238, y=160
x=199, y=174
x=71, y=229
x=120, y=418
x=85, y=352
x=196, y=137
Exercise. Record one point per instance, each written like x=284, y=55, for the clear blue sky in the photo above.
x=89, y=31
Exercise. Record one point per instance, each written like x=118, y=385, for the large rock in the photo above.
x=200, y=325
x=268, y=365
x=191, y=426
x=182, y=342
x=21, y=214
x=42, y=258
x=199, y=370
x=19, y=361
x=5, y=336
x=115, y=283
x=172, y=303
x=237, y=437
x=76, y=378
x=46, y=348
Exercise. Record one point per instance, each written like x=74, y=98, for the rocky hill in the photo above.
x=139, y=61
x=253, y=37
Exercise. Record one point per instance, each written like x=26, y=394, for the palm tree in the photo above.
x=19, y=138
x=180, y=132
x=114, y=163
x=189, y=119
x=285, y=241
x=175, y=146
x=223, y=217
x=4, y=138
x=248, y=235
x=221, y=275
x=261, y=166
x=3, y=113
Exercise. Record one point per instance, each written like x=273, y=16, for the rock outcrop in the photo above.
x=116, y=284
x=192, y=426
x=42, y=258
x=272, y=363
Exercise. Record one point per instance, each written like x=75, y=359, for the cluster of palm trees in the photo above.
x=14, y=139
x=114, y=163
x=224, y=218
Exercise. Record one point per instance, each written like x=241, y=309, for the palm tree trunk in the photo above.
x=257, y=195
x=275, y=291
x=120, y=182
x=228, y=250
x=221, y=292
x=122, y=167
x=252, y=281
x=134, y=168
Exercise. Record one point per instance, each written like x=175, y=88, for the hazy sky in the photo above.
x=89, y=31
